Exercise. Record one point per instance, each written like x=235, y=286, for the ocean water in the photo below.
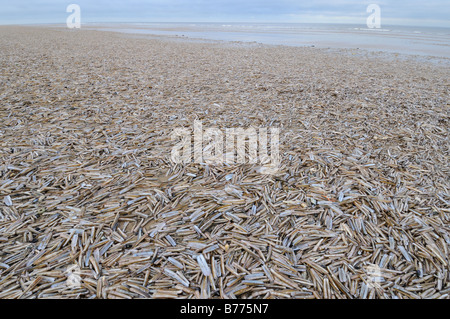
x=425, y=41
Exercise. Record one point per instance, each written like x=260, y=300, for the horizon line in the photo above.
x=219, y=22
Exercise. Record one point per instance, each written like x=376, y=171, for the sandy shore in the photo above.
x=87, y=186
x=407, y=41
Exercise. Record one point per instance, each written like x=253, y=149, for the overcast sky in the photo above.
x=398, y=12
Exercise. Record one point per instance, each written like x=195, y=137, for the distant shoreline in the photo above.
x=405, y=40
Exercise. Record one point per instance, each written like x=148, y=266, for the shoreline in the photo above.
x=215, y=36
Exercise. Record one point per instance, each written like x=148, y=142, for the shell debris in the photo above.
x=92, y=205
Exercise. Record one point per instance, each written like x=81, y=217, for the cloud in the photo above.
x=434, y=12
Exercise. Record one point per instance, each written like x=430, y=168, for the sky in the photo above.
x=435, y=13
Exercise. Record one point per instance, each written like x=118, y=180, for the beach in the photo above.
x=420, y=41
x=92, y=204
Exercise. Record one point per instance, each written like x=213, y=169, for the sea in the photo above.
x=424, y=41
